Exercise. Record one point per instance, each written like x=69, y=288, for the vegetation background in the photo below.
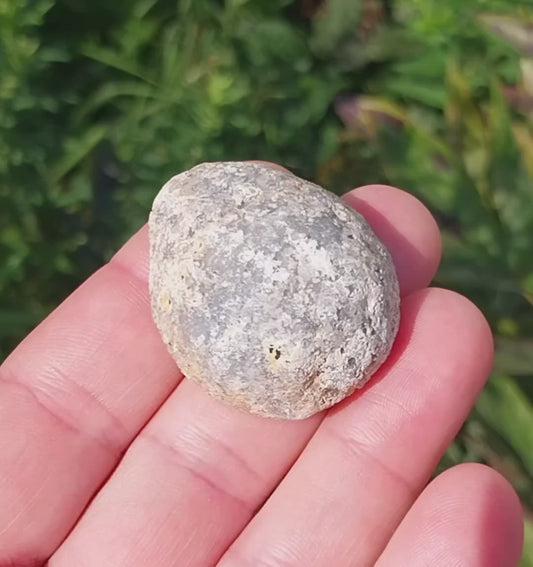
x=101, y=102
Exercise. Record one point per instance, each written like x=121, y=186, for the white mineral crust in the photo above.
x=269, y=291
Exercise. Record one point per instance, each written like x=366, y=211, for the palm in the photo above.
x=90, y=405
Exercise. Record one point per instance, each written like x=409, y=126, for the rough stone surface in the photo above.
x=268, y=290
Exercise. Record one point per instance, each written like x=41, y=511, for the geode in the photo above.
x=269, y=291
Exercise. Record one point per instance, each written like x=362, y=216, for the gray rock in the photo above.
x=268, y=290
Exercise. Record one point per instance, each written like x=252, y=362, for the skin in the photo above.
x=108, y=457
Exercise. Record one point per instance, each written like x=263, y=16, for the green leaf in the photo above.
x=527, y=556
x=514, y=356
x=334, y=22
x=275, y=41
x=524, y=141
x=506, y=410
x=429, y=94
x=526, y=68
x=117, y=61
x=115, y=90
x=76, y=150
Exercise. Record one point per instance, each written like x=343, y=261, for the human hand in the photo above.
x=109, y=459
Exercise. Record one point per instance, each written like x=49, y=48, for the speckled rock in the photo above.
x=268, y=290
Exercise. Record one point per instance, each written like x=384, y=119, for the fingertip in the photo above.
x=490, y=504
x=456, y=321
x=472, y=478
x=475, y=319
x=406, y=227
x=468, y=515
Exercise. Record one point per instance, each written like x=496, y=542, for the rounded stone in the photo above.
x=269, y=291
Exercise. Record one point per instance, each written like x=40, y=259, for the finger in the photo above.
x=469, y=516
x=366, y=464
x=415, y=246
x=198, y=471
x=72, y=396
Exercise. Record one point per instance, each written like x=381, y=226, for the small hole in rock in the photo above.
x=342, y=350
x=351, y=362
x=278, y=354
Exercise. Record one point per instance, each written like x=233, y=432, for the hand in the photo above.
x=109, y=459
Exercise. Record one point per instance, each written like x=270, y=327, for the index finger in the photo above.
x=72, y=396
x=79, y=388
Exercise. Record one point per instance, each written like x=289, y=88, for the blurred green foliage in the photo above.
x=101, y=102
